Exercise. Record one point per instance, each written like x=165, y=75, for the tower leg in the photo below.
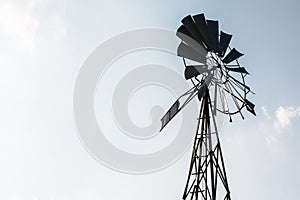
x=207, y=178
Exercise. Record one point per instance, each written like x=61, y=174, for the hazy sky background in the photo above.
x=42, y=47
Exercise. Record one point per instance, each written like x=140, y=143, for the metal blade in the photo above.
x=213, y=31
x=190, y=25
x=188, y=52
x=184, y=31
x=186, y=37
x=232, y=55
x=170, y=114
x=250, y=106
x=238, y=69
x=202, y=27
x=224, y=43
x=194, y=70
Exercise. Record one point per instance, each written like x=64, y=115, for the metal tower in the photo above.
x=207, y=165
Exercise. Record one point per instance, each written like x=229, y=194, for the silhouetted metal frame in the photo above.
x=210, y=65
x=207, y=169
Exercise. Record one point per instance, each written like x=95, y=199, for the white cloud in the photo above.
x=17, y=23
x=266, y=113
x=284, y=115
x=23, y=25
x=274, y=124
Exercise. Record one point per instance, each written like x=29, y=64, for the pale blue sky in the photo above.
x=43, y=45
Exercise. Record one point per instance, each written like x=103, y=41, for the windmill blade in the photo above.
x=195, y=70
x=186, y=37
x=213, y=31
x=224, y=43
x=170, y=114
x=232, y=55
x=183, y=31
x=202, y=27
x=237, y=69
x=190, y=25
x=250, y=106
x=188, y=52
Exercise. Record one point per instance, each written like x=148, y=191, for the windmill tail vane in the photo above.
x=219, y=83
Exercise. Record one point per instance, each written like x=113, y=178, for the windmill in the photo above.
x=219, y=83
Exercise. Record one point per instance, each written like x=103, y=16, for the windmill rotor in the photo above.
x=205, y=50
x=208, y=57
